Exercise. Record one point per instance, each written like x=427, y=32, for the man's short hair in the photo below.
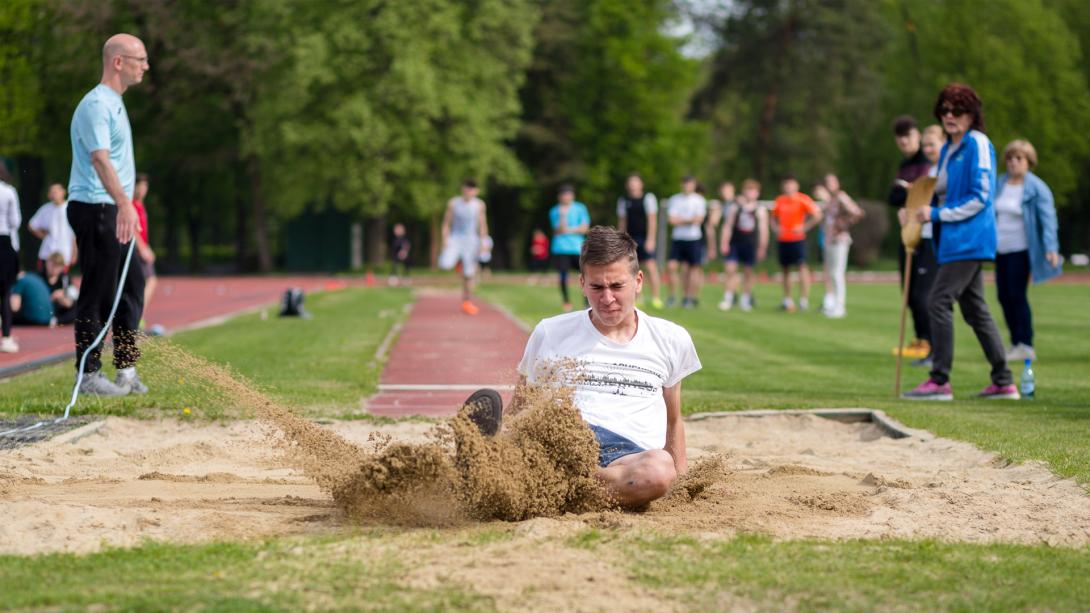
x=566, y=188
x=789, y=177
x=634, y=175
x=904, y=124
x=1022, y=147
x=470, y=183
x=751, y=184
x=605, y=245
x=688, y=179
x=57, y=259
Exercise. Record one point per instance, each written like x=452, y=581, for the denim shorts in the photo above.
x=612, y=446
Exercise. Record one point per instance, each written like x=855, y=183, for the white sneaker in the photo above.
x=745, y=303
x=96, y=384
x=836, y=314
x=8, y=345
x=1021, y=352
x=128, y=378
x=727, y=303
x=804, y=304
x=828, y=303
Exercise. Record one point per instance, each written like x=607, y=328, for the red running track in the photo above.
x=442, y=355
x=179, y=302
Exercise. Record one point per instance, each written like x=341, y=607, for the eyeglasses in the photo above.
x=142, y=60
x=956, y=111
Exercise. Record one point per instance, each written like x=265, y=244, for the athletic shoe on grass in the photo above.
x=787, y=305
x=746, y=303
x=96, y=384
x=128, y=378
x=929, y=390
x=804, y=304
x=469, y=308
x=1001, y=392
x=485, y=410
x=924, y=362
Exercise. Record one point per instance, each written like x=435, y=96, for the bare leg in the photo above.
x=732, y=277
x=637, y=479
x=653, y=277
x=695, y=281
x=467, y=288
x=149, y=291
x=804, y=281
x=787, y=283
x=749, y=276
x=675, y=279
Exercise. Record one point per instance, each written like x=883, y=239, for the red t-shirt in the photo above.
x=539, y=248
x=143, y=215
x=790, y=212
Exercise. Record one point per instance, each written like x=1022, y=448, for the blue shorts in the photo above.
x=642, y=254
x=612, y=446
x=690, y=252
x=743, y=252
x=792, y=253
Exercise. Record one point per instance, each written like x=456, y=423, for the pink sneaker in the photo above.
x=1003, y=392
x=929, y=390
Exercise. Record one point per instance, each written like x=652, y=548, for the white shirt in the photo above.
x=53, y=220
x=686, y=206
x=1010, y=226
x=10, y=215
x=620, y=386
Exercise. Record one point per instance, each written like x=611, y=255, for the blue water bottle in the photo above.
x=1028, y=383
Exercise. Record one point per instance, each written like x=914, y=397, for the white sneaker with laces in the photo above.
x=8, y=345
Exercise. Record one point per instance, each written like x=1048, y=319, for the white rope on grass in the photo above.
x=83, y=358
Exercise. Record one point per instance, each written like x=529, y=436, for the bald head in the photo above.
x=124, y=61
x=121, y=45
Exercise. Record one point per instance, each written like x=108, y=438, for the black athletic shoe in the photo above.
x=486, y=411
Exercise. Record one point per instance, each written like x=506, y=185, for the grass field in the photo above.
x=763, y=359
x=323, y=366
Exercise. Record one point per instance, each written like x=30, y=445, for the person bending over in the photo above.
x=629, y=374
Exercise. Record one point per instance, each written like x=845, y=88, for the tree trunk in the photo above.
x=261, y=230
x=242, y=245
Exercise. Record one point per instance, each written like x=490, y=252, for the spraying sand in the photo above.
x=120, y=481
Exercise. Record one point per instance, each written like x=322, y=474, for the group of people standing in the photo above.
x=736, y=227
x=974, y=217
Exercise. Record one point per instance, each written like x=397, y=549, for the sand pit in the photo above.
x=788, y=476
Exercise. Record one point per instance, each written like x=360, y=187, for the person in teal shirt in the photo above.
x=30, y=301
x=570, y=221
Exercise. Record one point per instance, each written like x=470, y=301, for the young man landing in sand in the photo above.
x=631, y=367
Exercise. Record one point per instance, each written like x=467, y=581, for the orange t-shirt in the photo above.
x=790, y=212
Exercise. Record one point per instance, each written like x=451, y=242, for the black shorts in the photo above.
x=537, y=265
x=742, y=252
x=690, y=252
x=565, y=261
x=792, y=253
x=642, y=254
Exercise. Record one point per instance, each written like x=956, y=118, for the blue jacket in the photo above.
x=965, y=223
x=1039, y=214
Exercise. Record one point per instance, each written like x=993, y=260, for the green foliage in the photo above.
x=20, y=100
x=607, y=94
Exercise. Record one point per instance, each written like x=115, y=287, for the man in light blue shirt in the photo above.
x=570, y=221
x=103, y=219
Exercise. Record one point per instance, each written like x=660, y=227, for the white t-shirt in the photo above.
x=620, y=386
x=53, y=219
x=1010, y=226
x=687, y=205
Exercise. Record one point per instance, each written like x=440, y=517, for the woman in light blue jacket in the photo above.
x=1027, y=245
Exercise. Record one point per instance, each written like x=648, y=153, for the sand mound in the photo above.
x=226, y=482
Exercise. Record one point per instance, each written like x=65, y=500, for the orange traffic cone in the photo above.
x=369, y=279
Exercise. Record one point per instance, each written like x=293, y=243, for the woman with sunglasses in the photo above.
x=963, y=218
x=1028, y=246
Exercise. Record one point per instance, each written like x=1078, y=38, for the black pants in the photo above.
x=1012, y=281
x=9, y=269
x=963, y=282
x=920, y=279
x=101, y=258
